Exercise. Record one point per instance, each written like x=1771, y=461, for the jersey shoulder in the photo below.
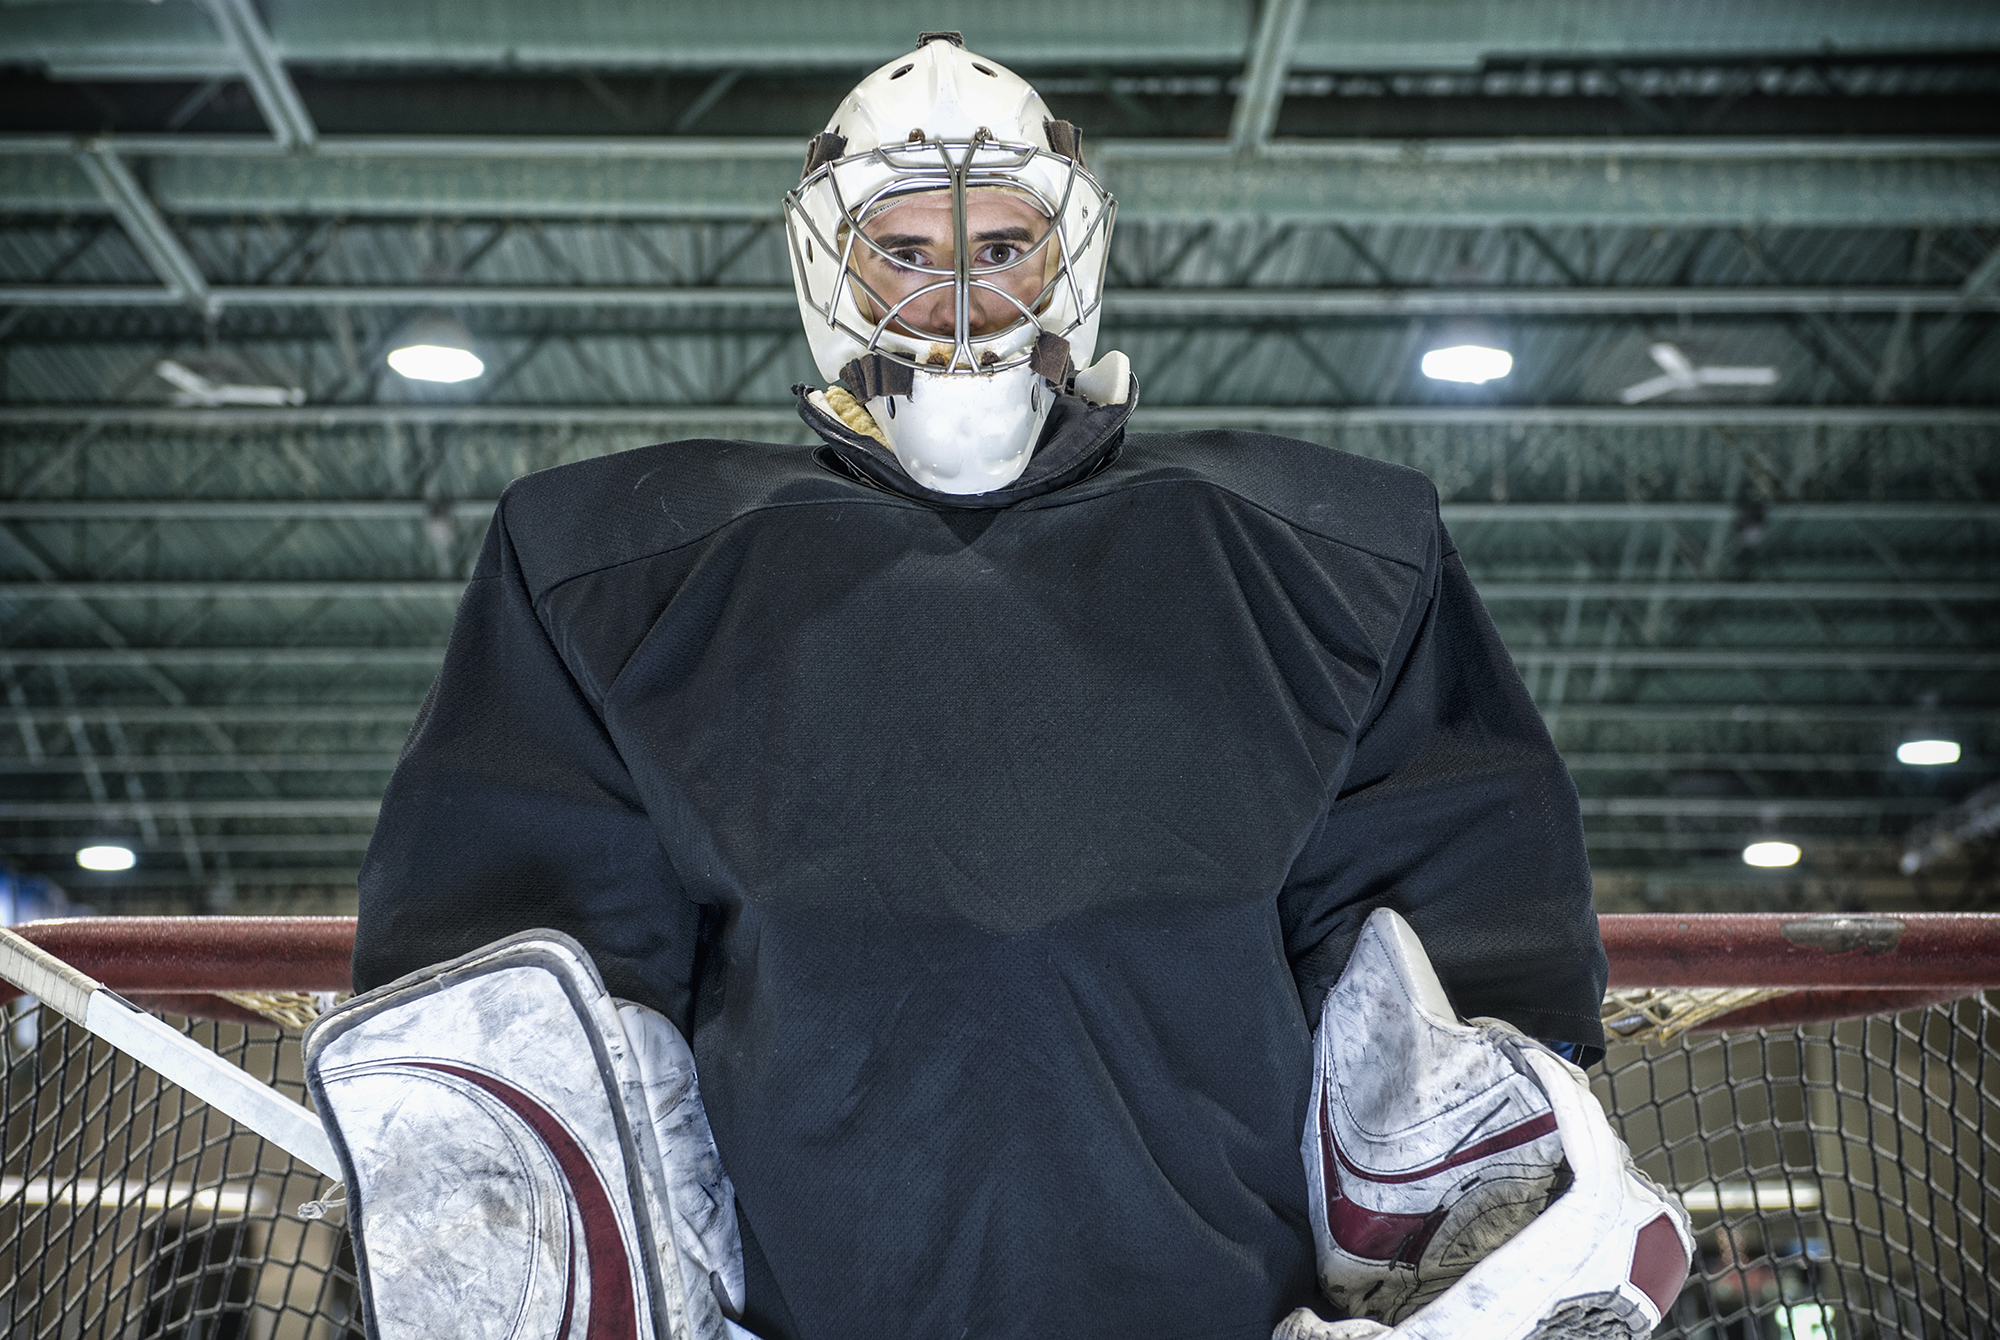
x=1385, y=509
x=611, y=509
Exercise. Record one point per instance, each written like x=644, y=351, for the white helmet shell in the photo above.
x=942, y=119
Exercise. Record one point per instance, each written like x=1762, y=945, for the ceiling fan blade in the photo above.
x=182, y=377
x=1674, y=363
x=1649, y=389
x=1741, y=376
x=259, y=395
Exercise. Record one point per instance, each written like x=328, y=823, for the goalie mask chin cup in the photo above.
x=1463, y=1180
x=968, y=403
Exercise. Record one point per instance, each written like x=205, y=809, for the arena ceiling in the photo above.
x=1731, y=601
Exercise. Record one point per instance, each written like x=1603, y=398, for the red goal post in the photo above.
x=1823, y=1091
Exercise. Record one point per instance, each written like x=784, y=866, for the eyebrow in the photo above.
x=900, y=241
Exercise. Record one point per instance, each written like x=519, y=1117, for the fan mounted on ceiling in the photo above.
x=1678, y=373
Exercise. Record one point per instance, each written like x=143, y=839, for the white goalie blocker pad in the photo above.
x=525, y=1156
x=1463, y=1178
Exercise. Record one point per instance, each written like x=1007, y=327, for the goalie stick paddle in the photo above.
x=84, y=1000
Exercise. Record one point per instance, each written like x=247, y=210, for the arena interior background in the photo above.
x=231, y=538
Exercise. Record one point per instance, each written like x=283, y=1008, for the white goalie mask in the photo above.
x=957, y=349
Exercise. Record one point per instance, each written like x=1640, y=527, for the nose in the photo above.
x=932, y=314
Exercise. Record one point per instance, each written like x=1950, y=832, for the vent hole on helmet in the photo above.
x=903, y=70
x=983, y=70
x=809, y=249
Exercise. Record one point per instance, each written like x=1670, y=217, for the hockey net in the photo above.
x=1822, y=1092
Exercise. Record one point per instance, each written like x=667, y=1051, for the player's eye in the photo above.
x=999, y=253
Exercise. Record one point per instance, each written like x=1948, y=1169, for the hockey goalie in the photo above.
x=1035, y=835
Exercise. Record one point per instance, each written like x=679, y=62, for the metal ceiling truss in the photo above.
x=1641, y=182
x=179, y=40
x=1871, y=315
x=216, y=624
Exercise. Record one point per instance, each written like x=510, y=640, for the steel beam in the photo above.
x=360, y=589
x=1774, y=714
x=266, y=657
x=277, y=98
x=1754, y=658
x=1263, y=92
x=1758, y=807
x=234, y=843
x=1123, y=307
x=1665, y=762
x=1455, y=513
x=355, y=714
x=1599, y=807
x=1493, y=592
x=1669, y=182
x=274, y=509
x=195, y=809
x=121, y=193
x=145, y=880
x=1576, y=761
x=1304, y=418
x=224, y=763
x=400, y=715
x=1629, y=658
x=164, y=41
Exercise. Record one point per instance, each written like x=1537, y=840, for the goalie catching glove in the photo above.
x=525, y=1156
x=1464, y=1181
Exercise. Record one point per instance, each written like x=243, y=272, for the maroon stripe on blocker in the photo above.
x=1371, y=1235
x=1659, y=1262
x=612, y=1316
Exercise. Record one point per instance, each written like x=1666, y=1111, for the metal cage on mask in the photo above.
x=826, y=218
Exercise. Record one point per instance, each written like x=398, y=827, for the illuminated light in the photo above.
x=1471, y=363
x=1771, y=855
x=1766, y=1193
x=1927, y=753
x=106, y=858
x=436, y=348
x=436, y=363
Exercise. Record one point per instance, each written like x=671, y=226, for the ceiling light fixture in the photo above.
x=1927, y=753
x=1474, y=364
x=106, y=858
x=436, y=348
x=1771, y=855
x=1470, y=352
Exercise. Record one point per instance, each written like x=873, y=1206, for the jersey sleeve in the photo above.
x=512, y=810
x=1458, y=813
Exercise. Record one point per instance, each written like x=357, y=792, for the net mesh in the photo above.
x=1844, y=1181
x=129, y=1209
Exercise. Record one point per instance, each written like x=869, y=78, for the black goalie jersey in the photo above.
x=993, y=852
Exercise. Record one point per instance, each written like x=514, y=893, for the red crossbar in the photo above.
x=1904, y=951
x=1841, y=965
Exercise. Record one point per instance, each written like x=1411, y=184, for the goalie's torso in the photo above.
x=988, y=817
x=997, y=806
